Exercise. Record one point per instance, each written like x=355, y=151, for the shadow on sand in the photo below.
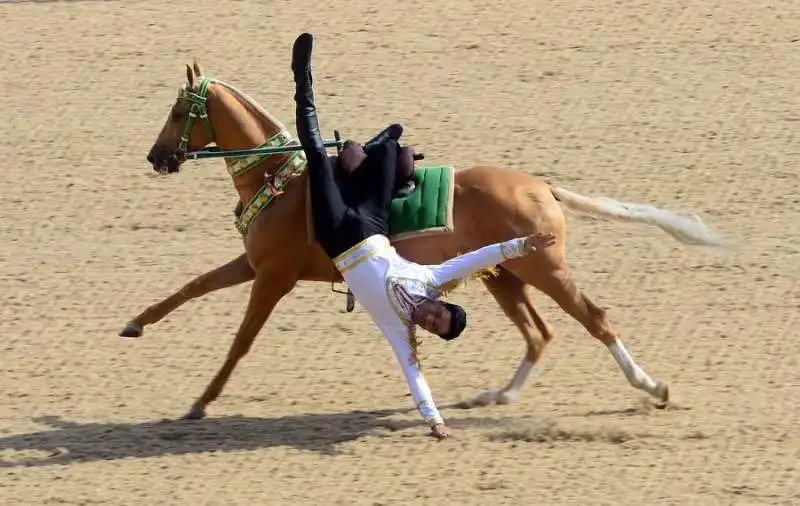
x=67, y=442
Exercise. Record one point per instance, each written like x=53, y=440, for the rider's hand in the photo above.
x=538, y=241
x=440, y=431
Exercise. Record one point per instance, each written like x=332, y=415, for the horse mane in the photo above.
x=249, y=101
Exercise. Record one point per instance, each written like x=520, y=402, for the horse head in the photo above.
x=179, y=135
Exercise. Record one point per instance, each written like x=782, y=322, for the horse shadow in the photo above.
x=66, y=442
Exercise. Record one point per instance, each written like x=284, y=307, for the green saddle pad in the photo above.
x=428, y=209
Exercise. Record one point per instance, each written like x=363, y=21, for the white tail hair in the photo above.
x=686, y=228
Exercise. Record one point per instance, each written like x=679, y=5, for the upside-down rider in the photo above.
x=353, y=231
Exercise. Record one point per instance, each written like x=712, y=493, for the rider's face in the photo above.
x=433, y=316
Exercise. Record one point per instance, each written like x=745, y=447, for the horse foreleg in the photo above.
x=265, y=293
x=235, y=272
x=515, y=301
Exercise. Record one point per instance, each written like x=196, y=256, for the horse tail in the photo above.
x=686, y=228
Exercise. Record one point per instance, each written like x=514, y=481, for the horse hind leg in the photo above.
x=515, y=300
x=558, y=284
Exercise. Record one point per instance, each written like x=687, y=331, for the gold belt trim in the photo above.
x=361, y=252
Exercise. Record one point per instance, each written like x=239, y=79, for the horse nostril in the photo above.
x=151, y=159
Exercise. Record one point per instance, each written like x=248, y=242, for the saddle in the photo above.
x=353, y=154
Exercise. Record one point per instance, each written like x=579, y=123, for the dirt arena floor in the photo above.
x=685, y=105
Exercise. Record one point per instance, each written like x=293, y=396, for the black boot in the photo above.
x=405, y=184
x=393, y=131
x=306, y=112
x=405, y=175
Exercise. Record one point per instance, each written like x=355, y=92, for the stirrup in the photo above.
x=351, y=299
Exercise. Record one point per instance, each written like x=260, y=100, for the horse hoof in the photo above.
x=132, y=330
x=662, y=391
x=487, y=398
x=506, y=397
x=196, y=413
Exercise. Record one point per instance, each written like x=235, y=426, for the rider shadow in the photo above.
x=70, y=442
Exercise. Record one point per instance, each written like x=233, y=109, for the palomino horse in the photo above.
x=491, y=204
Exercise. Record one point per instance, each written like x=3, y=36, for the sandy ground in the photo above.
x=684, y=105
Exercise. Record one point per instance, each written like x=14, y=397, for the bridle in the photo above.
x=198, y=109
x=274, y=183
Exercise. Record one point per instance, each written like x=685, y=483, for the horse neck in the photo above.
x=239, y=123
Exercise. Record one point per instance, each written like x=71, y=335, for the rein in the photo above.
x=241, y=161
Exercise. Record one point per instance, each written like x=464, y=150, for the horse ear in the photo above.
x=190, y=76
x=198, y=70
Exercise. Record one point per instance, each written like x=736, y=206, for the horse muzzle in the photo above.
x=165, y=161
